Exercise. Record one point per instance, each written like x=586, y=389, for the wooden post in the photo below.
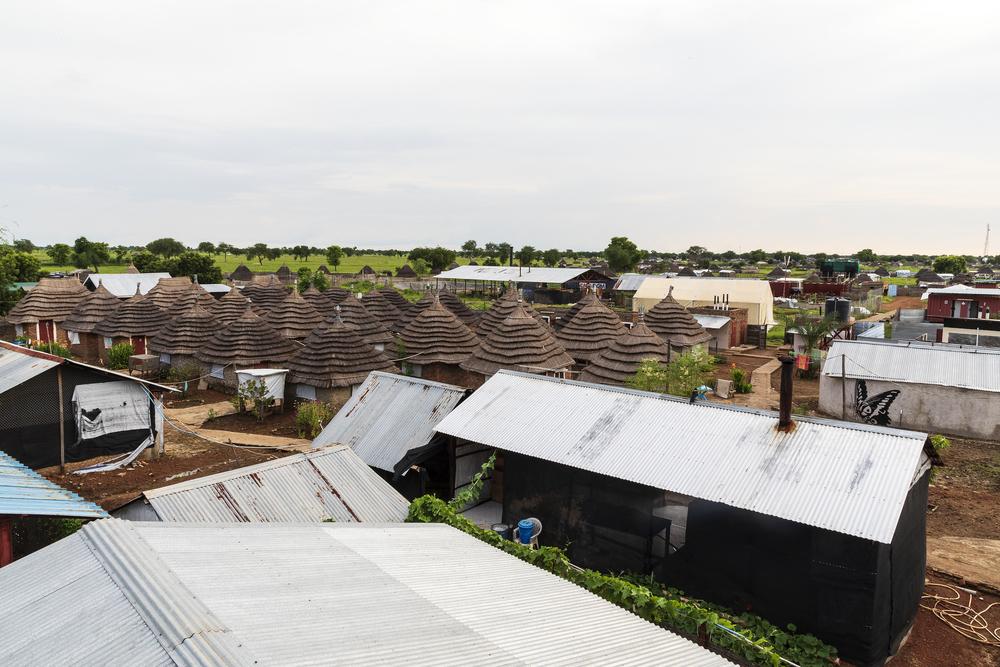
x=843, y=387
x=62, y=423
x=160, y=449
x=6, y=541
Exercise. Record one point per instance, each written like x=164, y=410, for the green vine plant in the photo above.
x=471, y=493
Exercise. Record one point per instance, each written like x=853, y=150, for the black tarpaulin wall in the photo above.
x=29, y=420
x=856, y=594
x=604, y=523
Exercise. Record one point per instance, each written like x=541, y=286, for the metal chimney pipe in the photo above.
x=785, y=401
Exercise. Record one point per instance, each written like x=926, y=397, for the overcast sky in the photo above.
x=783, y=125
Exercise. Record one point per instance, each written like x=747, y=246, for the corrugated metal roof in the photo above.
x=19, y=367
x=965, y=367
x=961, y=291
x=844, y=477
x=630, y=282
x=516, y=274
x=215, y=288
x=388, y=416
x=24, y=492
x=711, y=321
x=422, y=594
x=329, y=483
x=123, y=284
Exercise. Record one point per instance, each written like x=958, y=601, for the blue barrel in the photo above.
x=524, y=529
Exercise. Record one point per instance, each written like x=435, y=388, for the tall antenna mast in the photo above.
x=986, y=246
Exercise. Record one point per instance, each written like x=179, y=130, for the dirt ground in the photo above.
x=277, y=424
x=902, y=303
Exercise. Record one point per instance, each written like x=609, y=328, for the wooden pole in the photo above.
x=843, y=387
x=6, y=541
x=62, y=423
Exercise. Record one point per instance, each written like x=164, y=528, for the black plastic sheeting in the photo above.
x=29, y=421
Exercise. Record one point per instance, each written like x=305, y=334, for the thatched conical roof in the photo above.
x=92, y=310
x=293, y=317
x=395, y=298
x=283, y=272
x=590, y=331
x=242, y=273
x=500, y=310
x=457, y=306
x=673, y=323
x=370, y=329
x=264, y=296
x=620, y=360
x=136, y=316
x=247, y=341
x=316, y=299
x=406, y=271
x=336, y=355
x=323, y=269
x=382, y=309
x=336, y=294
x=366, y=271
x=177, y=295
x=436, y=336
x=411, y=313
x=230, y=307
x=186, y=333
x=520, y=343
x=584, y=301
x=131, y=268
x=51, y=299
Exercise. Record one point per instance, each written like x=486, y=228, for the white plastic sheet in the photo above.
x=274, y=379
x=110, y=407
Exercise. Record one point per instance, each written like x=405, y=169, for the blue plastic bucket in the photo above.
x=524, y=529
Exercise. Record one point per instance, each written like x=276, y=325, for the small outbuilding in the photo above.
x=500, y=310
x=177, y=342
x=407, y=272
x=619, y=361
x=242, y=274
x=80, y=325
x=591, y=331
x=371, y=330
x=674, y=324
x=40, y=313
x=247, y=342
x=230, y=307
x=266, y=294
x=134, y=322
x=435, y=342
x=382, y=309
x=293, y=317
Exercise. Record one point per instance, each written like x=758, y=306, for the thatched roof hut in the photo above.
x=177, y=295
x=620, y=360
x=186, y=333
x=687, y=272
x=293, y=317
x=500, y=310
x=367, y=271
x=453, y=265
x=468, y=316
x=246, y=342
x=353, y=312
x=323, y=269
x=882, y=272
x=436, y=336
x=406, y=271
x=336, y=355
x=778, y=272
x=265, y=295
x=395, y=298
x=131, y=268
x=586, y=300
x=137, y=316
x=382, y=309
x=414, y=309
x=336, y=294
x=520, y=343
x=673, y=323
x=242, y=273
x=51, y=299
x=92, y=310
x=284, y=273
x=230, y=307
x=590, y=331
x=318, y=300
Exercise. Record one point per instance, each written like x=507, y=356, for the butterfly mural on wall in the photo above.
x=874, y=410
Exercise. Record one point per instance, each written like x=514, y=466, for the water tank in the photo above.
x=837, y=308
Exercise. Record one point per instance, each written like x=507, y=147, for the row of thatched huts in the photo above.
x=330, y=340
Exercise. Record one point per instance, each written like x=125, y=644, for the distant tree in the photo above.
x=350, y=251
x=950, y=264
x=622, y=255
x=146, y=261
x=503, y=253
x=60, y=253
x=491, y=251
x=866, y=256
x=206, y=247
x=275, y=253
x=420, y=266
x=820, y=257
x=551, y=257
x=224, y=249
x=165, y=247
x=569, y=253
x=729, y=255
x=258, y=251
x=194, y=265
x=437, y=258
x=15, y=266
x=301, y=252
x=24, y=245
x=696, y=253
x=470, y=248
x=757, y=255
x=90, y=254
x=120, y=252
x=333, y=255
x=320, y=281
x=526, y=255
x=305, y=278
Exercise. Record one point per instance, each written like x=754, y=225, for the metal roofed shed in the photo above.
x=515, y=274
x=269, y=594
x=715, y=500
x=937, y=388
x=330, y=483
x=123, y=285
x=387, y=418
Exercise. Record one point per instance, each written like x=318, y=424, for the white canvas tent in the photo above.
x=104, y=408
x=754, y=295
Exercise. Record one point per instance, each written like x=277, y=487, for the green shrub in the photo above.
x=940, y=444
x=118, y=356
x=741, y=380
x=752, y=638
x=53, y=347
x=311, y=417
x=254, y=392
x=184, y=373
